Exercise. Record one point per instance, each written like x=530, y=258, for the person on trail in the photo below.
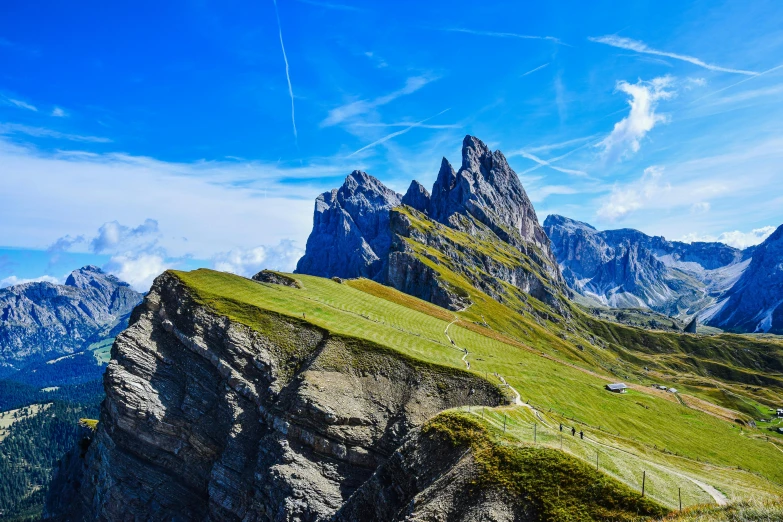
x=561, y=426
x=573, y=431
x=581, y=434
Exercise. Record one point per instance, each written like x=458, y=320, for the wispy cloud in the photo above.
x=558, y=158
x=762, y=73
x=625, y=138
x=14, y=280
x=287, y=73
x=395, y=134
x=625, y=200
x=38, y=132
x=531, y=71
x=641, y=47
x=734, y=238
x=57, y=112
x=330, y=5
x=350, y=110
x=545, y=163
x=17, y=103
x=497, y=34
x=560, y=145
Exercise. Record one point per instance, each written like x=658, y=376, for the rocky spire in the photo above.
x=350, y=235
x=417, y=197
x=488, y=189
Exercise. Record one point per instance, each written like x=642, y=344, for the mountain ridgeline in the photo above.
x=732, y=289
x=361, y=230
x=40, y=321
x=320, y=396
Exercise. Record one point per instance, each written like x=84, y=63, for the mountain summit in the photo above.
x=755, y=302
x=364, y=229
x=627, y=268
x=42, y=320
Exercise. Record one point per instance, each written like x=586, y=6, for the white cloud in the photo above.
x=139, y=270
x=247, y=262
x=57, y=112
x=13, y=280
x=204, y=207
x=39, y=132
x=625, y=200
x=641, y=47
x=701, y=207
x=691, y=83
x=734, y=238
x=625, y=138
x=18, y=103
x=351, y=110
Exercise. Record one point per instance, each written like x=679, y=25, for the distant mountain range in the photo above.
x=737, y=290
x=42, y=321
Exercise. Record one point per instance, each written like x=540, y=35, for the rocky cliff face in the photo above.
x=207, y=419
x=626, y=268
x=350, y=236
x=483, y=200
x=755, y=302
x=41, y=321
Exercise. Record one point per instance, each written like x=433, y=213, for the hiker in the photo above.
x=573, y=431
x=304, y=315
x=581, y=434
x=561, y=426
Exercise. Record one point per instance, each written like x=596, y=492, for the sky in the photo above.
x=151, y=135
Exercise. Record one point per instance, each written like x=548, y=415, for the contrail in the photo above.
x=287, y=74
x=536, y=69
x=762, y=73
x=393, y=134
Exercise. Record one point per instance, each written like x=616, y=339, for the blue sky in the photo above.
x=183, y=134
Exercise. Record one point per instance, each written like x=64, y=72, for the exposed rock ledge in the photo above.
x=208, y=419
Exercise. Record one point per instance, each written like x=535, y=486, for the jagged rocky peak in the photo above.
x=755, y=302
x=488, y=189
x=350, y=234
x=626, y=267
x=41, y=319
x=417, y=197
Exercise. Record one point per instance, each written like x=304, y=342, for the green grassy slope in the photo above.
x=748, y=367
x=650, y=424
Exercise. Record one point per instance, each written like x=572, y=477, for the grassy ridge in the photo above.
x=558, y=485
x=646, y=421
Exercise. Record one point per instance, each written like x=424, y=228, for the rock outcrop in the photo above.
x=350, y=236
x=482, y=203
x=208, y=419
x=627, y=268
x=755, y=302
x=40, y=321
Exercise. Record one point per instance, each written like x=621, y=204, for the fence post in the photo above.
x=504, y=423
x=679, y=494
x=644, y=479
x=534, y=432
x=596, y=459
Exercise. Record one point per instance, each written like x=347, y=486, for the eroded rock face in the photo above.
x=44, y=320
x=487, y=188
x=350, y=236
x=207, y=419
x=483, y=199
x=627, y=268
x=755, y=302
x=430, y=479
